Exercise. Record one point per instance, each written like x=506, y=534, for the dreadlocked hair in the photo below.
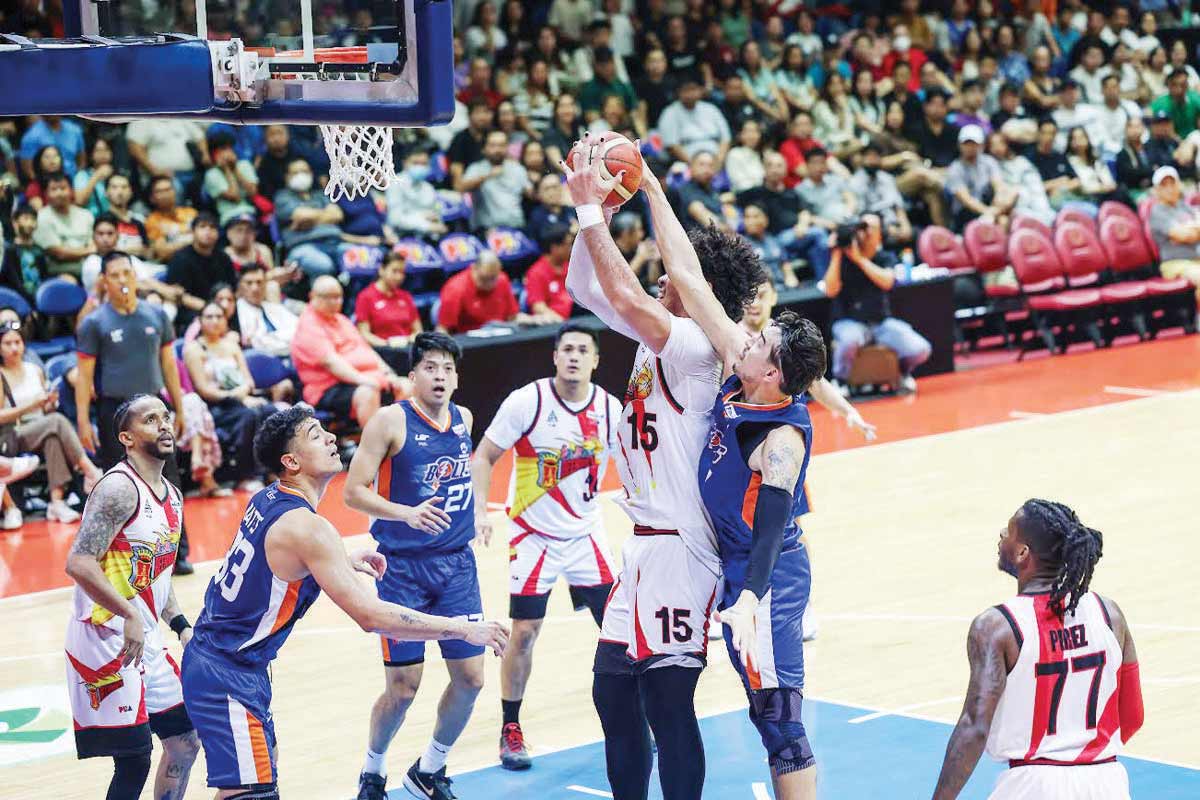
x=730, y=264
x=1055, y=534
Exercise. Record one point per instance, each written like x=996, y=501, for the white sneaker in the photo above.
x=58, y=511
x=12, y=519
x=809, y=625
x=908, y=384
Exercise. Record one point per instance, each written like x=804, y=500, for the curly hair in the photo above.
x=275, y=435
x=800, y=352
x=730, y=264
x=1062, y=542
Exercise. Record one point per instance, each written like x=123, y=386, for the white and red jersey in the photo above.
x=1060, y=700
x=664, y=427
x=141, y=557
x=560, y=454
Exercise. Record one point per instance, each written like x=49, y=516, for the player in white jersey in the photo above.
x=562, y=431
x=653, y=640
x=1055, y=689
x=122, y=683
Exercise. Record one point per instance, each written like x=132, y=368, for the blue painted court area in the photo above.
x=885, y=757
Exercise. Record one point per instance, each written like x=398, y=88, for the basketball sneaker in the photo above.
x=428, y=785
x=513, y=754
x=371, y=787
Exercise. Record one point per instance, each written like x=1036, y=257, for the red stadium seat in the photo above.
x=1144, y=207
x=1040, y=270
x=1074, y=215
x=939, y=247
x=1082, y=256
x=987, y=247
x=1111, y=208
x=1023, y=223
x=1133, y=264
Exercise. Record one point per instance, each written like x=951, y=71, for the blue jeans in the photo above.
x=813, y=247
x=849, y=335
x=316, y=258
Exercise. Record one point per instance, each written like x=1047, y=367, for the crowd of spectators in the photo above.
x=782, y=119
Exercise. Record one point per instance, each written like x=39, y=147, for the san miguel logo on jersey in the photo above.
x=556, y=466
x=447, y=469
x=100, y=682
x=147, y=563
x=640, y=383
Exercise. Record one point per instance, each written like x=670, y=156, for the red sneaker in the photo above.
x=513, y=754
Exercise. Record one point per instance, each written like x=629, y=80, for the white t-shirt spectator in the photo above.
x=1089, y=83
x=498, y=200
x=166, y=141
x=703, y=127
x=1082, y=115
x=1110, y=124
x=571, y=17
x=269, y=327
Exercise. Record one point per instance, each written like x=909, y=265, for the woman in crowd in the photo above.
x=970, y=53
x=30, y=405
x=1154, y=72
x=534, y=103
x=387, y=316
x=1179, y=60
x=833, y=120
x=566, y=129
x=218, y=370
x=91, y=182
x=744, y=164
x=226, y=299
x=792, y=79
x=506, y=120
x=47, y=161
x=866, y=106
x=546, y=48
x=761, y=85
x=1096, y=182
x=485, y=37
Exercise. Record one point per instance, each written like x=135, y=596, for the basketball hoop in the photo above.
x=360, y=156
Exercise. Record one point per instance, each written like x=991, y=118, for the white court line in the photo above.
x=760, y=791
x=899, y=711
x=1135, y=391
x=1025, y=414
x=586, y=790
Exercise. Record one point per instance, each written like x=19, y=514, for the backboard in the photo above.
x=344, y=62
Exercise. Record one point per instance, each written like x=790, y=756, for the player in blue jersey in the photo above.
x=283, y=556
x=751, y=477
x=412, y=475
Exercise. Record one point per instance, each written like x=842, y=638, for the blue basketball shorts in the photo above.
x=780, y=632
x=445, y=584
x=230, y=705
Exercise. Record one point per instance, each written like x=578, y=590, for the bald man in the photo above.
x=479, y=295
x=341, y=372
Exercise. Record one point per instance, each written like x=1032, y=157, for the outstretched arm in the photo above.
x=986, y=644
x=643, y=316
x=683, y=268
x=317, y=545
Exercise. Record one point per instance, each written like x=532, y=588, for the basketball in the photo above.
x=616, y=154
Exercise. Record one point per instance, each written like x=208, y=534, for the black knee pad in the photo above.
x=262, y=791
x=776, y=714
x=129, y=776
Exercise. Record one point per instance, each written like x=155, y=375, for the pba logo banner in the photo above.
x=35, y=722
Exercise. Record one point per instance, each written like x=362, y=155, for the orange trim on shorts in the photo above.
x=258, y=746
x=753, y=678
x=751, y=502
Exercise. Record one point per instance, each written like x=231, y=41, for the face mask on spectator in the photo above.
x=300, y=182
x=418, y=172
x=872, y=171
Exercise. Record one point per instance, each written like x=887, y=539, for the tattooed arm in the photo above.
x=109, y=507
x=315, y=543
x=778, y=460
x=992, y=651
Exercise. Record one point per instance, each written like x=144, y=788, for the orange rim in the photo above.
x=321, y=55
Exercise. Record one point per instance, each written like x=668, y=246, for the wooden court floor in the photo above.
x=904, y=539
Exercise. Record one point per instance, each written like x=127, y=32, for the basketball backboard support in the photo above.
x=333, y=62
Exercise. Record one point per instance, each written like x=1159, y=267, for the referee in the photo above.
x=132, y=344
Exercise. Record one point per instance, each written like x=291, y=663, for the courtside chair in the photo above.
x=987, y=245
x=1021, y=222
x=10, y=298
x=59, y=297
x=1086, y=264
x=1052, y=308
x=941, y=249
x=1070, y=214
x=1111, y=208
x=1168, y=301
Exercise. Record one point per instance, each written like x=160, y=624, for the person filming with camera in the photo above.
x=859, y=280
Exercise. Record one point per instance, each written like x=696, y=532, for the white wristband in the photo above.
x=589, y=215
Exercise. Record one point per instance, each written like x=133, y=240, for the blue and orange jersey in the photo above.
x=434, y=460
x=728, y=485
x=248, y=611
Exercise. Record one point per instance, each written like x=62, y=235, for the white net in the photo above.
x=360, y=156
x=360, y=159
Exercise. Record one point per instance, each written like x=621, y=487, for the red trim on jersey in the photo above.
x=1108, y=724
x=95, y=675
x=1047, y=621
x=174, y=666
x=527, y=528
x=520, y=537
x=574, y=412
x=601, y=564
x=645, y=530
x=287, y=607
x=436, y=426
x=712, y=598
x=608, y=600
x=1129, y=688
x=531, y=582
x=642, y=649
x=1049, y=762
x=662, y=380
x=166, y=484
x=750, y=503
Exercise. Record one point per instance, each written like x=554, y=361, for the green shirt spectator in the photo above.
x=1180, y=102
x=603, y=83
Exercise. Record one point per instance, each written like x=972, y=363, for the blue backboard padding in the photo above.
x=119, y=79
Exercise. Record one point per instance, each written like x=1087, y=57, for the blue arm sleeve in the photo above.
x=771, y=515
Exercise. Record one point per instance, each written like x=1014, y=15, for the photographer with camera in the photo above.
x=861, y=313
